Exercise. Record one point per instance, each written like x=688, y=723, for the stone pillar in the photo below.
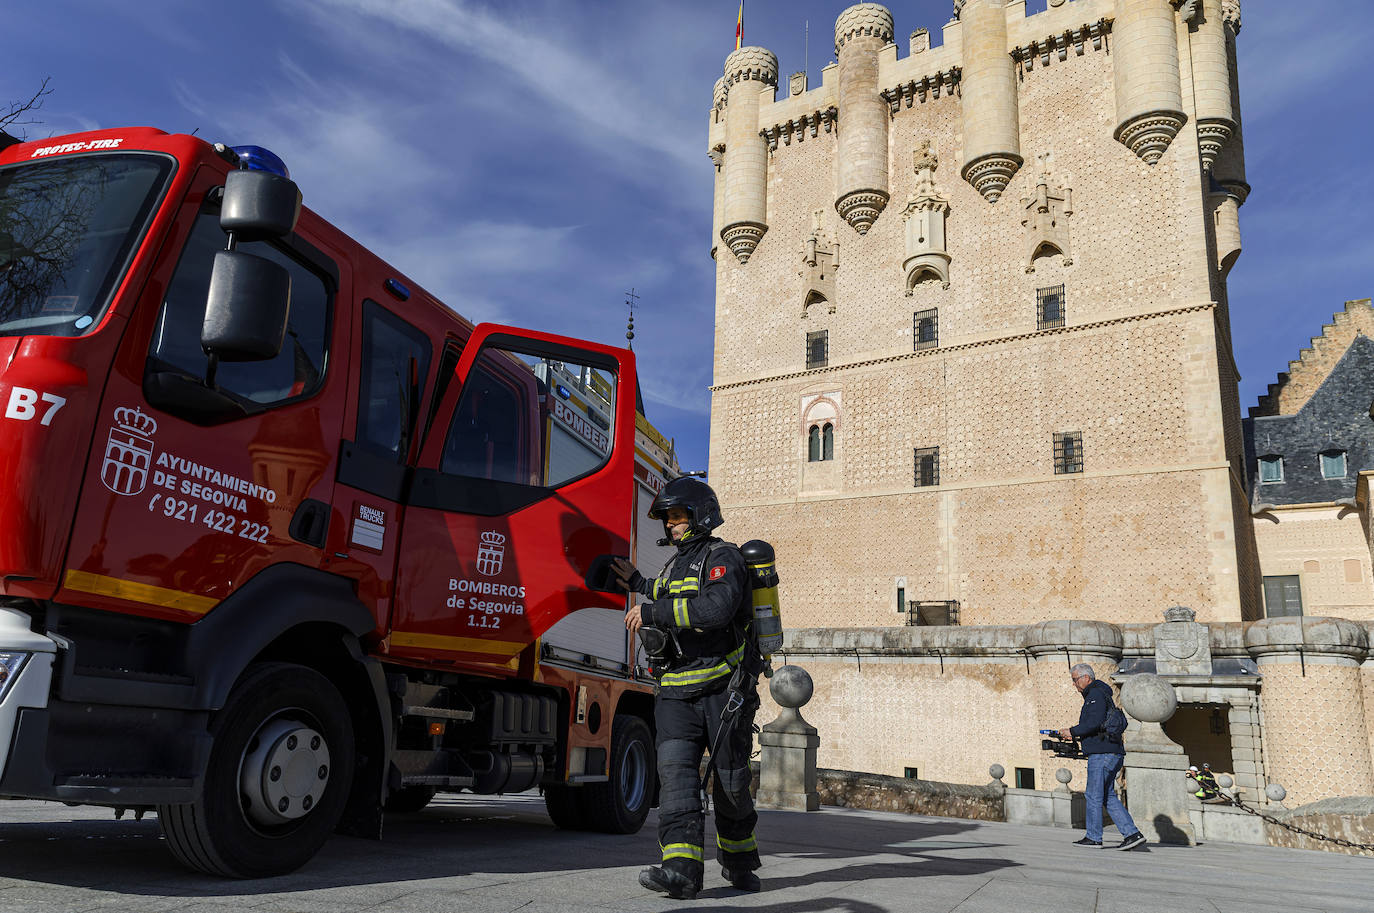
x=1244, y=720
x=1316, y=737
x=860, y=32
x=748, y=72
x=987, y=86
x=1054, y=646
x=787, y=747
x=1149, y=95
x=1157, y=793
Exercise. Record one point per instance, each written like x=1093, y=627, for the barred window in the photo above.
x=1282, y=596
x=1068, y=452
x=1049, y=307
x=925, y=329
x=817, y=349
x=927, y=466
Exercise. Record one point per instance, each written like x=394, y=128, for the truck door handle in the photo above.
x=310, y=523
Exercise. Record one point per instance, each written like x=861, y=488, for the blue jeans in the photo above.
x=1102, y=771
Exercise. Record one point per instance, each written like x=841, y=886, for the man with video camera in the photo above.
x=1105, y=753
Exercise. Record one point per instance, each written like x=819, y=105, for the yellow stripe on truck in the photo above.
x=133, y=591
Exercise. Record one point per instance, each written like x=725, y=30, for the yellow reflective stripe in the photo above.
x=737, y=846
x=680, y=612
x=682, y=851
x=699, y=676
x=133, y=591
x=658, y=587
x=686, y=583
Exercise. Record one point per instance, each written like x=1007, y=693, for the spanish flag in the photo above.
x=739, y=26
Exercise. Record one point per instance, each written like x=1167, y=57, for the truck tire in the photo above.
x=279, y=773
x=564, y=804
x=621, y=805
x=409, y=799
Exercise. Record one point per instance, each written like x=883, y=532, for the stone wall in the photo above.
x=915, y=797
x=950, y=701
x=1140, y=367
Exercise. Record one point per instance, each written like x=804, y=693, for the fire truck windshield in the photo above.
x=68, y=229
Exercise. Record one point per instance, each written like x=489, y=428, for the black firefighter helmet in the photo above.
x=694, y=495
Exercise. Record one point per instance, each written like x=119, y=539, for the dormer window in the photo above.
x=1271, y=469
x=1333, y=464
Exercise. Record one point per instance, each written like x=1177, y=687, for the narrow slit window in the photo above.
x=813, y=444
x=925, y=329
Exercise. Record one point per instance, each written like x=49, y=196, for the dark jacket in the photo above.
x=703, y=597
x=1097, y=703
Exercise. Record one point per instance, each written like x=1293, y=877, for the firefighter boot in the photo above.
x=669, y=879
x=742, y=880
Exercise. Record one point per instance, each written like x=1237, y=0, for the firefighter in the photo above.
x=696, y=631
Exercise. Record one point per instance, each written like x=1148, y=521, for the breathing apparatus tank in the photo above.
x=763, y=576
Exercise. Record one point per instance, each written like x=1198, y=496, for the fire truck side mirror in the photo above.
x=259, y=205
x=247, y=307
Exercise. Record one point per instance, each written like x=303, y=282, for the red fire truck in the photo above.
x=280, y=534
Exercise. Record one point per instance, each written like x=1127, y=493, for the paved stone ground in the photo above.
x=494, y=855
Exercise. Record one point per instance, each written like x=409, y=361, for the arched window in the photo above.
x=813, y=444
x=828, y=442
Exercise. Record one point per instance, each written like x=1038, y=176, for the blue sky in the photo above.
x=530, y=161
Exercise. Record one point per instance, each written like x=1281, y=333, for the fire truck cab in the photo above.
x=281, y=535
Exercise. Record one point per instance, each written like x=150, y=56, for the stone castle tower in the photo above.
x=973, y=344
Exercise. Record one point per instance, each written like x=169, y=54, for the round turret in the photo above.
x=748, y=72
x=860, y=32
x=992, y=127
x=1212, y=83
x=1149, y=96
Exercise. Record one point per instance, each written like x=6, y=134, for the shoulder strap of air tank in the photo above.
x=700, y=563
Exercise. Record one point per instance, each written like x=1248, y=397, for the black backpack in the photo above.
x=1115, y=724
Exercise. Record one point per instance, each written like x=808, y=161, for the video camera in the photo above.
x=1062, y=748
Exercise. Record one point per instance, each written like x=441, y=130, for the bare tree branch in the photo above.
x=19, y=113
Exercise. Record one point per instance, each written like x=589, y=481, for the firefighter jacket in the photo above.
x=703, y=598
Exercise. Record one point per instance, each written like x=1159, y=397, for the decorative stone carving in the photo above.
x=920, y=41
x=820, y=260
x=1046, y=217
x=742, y=238
x=1150, y=134
x=1188, y=10
x=1230, y=14
x=990, y=174
x=863, y=19
x=1182, y=644
x=1212, y=134
x=959, y=7
x=796, y=83
x=861, y=208
x=924, y=218
x=753, y=63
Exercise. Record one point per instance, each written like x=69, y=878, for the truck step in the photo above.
x=437, y=713
x=436, y=780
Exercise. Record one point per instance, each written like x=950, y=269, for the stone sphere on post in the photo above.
x=1063, y=775
x=1148, y=698
x=997, y=771
x=1275, y=792
x=791, y=687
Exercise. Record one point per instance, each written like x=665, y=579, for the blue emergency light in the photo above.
x=256, y=158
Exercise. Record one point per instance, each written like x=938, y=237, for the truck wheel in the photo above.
x=564, y=804
x=280, y=769
x=409, y=799
x=621, y=805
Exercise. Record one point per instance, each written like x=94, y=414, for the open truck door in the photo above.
x=504, y=517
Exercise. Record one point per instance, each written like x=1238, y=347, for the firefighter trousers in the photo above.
x=686, y=730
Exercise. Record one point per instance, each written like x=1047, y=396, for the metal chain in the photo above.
x=1338, y=841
